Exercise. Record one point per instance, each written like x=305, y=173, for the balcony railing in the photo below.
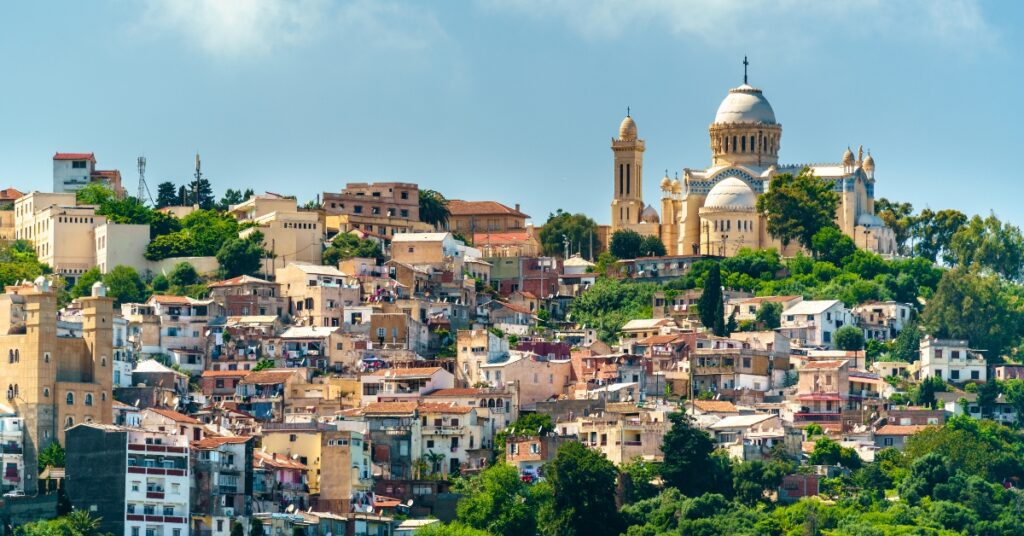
x=442, y=430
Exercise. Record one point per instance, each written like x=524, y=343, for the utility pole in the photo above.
x=199, y=176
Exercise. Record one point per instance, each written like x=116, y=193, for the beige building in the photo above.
x=56, y=382
x=713, y=211
x=290, y=234
x=121, y=244
x=345, y=466
x=471, y=217
x=7, y=224
x=381, y=209
x=537, y=378
x=418, y=249
x=317, y=294
x=61, y=232
x=623, y=435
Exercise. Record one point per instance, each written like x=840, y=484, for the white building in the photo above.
x=12, y=442
x=404, y=384
x=882, y=321
x=815, y=322
x=951, y=360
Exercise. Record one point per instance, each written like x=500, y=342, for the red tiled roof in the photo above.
x=214, y=442
x=167, y=298
x=274, y=460
x=435, y=407
x=74, y=156
x=900, y=429
x=777, y=299
x=458, y=207
x=515, y=308
x=10, y=194
x=240, y=280
x=390, y=408
x=225, y=373
x=661, y=339
x=174, y=415
x=413, y=371
x=824, y=364
x=715, y=406
x=501, y=238
x=458, y=391
x=268, y=377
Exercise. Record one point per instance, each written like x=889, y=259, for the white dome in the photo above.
x=666, y=182
x=731, y=193
x=650, y=215
x=627, y=129
x=745, y=104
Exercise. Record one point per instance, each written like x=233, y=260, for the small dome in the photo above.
x=666, y=182
x=848, y=157
x=745, y=104
x=627, y=130
x=731, y=193
x=649, y=215
x=869, y=163
x=677, y=187
x=870, y=220
x=99, y=289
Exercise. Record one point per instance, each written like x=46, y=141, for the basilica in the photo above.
x=713, y=211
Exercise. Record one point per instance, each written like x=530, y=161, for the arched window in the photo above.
x=70, y=399
x=88, y=399
x=743, y=144
x=69, y=422
x=103, y=361
x=734, y=144
x=46, y=392
x=17, y=355
x=753, y=146
x=46, y=357
x=103, y=395
x=15, y=389
x=10, y=356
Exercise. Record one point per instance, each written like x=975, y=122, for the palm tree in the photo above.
x=81, y=522
x=434, y=459
x=434, y=208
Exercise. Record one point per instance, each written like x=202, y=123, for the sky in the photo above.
x=510, y=100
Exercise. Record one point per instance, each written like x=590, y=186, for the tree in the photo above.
x=348, y=245
x=183, y=199
x=849, y=338
x=933, y=231
x=52, y=455
x=497, y=501
x=451, y=529
x=907, y=346
x=82, y=522
x=710, y=305
x=237, y=529
x=204, y=197
x=94, y=193
x=83, y=286
x=967, y=305
x=828, y=452
x=231, y=197
x=688, y=464
x=183, y=274
x=263, y=364
x=583, y=484
x=241, y=256
x=990, y=244
x=924, y=394
x=166, y=195
x=798, y=207
x=652, y=246
x=125, y=285
x=899, y=217
x=831, y=245
x=160, y=283
x=625, y=244
x=434, y=209
x=579, y=230
x=769, y=315
x=641, y=475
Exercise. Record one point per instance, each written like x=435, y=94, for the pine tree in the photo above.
x=710, y=306
x=166, y=195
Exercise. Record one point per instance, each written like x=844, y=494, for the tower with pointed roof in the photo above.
x=627, y=197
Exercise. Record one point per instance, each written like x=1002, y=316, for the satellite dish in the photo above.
x=409, y=503
x=290, y=509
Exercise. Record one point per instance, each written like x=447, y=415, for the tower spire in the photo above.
x=745, y=64
x=627, y=111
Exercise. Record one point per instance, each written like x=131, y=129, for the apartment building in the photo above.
x=222, y=486
x=290, y=234
x=136, y=481
x=61, y=232
x=12, y=451
x=380, y=209
x=951, y=360
x=346, y=469
x=815, y=322
x=177, y=326
x=401, y=384
x=471, y=217
x=74, y=171
x=317, y=294
x=278, y=482
x=246, y=295
x=883, y=321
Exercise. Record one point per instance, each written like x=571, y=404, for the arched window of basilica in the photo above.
x=743, y=144
x=734, y=144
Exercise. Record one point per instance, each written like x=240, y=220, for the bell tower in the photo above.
x=627, y=197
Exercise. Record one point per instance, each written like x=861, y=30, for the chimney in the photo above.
x=517, y=207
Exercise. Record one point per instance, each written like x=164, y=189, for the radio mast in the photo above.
x=143, y=187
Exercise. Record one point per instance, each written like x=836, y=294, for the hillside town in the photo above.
x=387, y=360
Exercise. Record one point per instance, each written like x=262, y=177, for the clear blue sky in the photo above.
x=511, y=100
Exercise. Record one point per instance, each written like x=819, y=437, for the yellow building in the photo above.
x=290, y=234
x=299, y=443
x=713, y=211
x=56, y=382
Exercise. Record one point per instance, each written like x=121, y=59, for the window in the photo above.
x=135, y=531
x=887, y=441
x=430, y=443
x=88, y=399
x=168, y=510
x=405, y=195
x=71, y=399
x=46, y=392
x=975, y=375
x=135, y=485
x=954, y=374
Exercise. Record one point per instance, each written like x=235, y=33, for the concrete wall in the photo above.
x=203, y=265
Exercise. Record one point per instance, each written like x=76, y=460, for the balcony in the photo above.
x=443, y=430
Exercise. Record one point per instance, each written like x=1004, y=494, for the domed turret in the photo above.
x=869, y=164
x=627, y=129
x=677, y=187
x=745, y=131
x=666, y=183
x=650, y=215
x=848, y=158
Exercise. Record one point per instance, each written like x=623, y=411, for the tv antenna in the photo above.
x=143, y=187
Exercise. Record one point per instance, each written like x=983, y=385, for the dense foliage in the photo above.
x=348, y=245
x=575, y=230
x=796, y=208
